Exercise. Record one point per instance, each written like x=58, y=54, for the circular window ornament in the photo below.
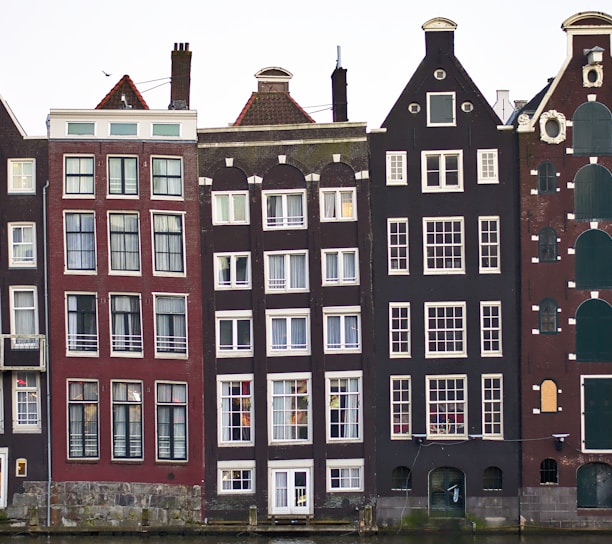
x=552, y=127
x=592, y=75
x=414, y=107
x=467, y=107
x=440, y=74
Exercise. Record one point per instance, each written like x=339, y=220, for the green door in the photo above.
x=447, y=493
x=594, y=482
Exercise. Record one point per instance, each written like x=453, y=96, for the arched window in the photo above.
x=549, y=473
x=492, y=479
x=548, y=396
x=593, y=193
x=593, y=331
x=548, y=316
x=401, y=478
x=594, y=486
x=592, y=130
x=547, y=245
x=594, y=260
x=547, y=178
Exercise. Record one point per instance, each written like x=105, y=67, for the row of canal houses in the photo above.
x=282, y=320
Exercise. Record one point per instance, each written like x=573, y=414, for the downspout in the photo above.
x=46, y=354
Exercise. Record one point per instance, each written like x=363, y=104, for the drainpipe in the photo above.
x=46, y=354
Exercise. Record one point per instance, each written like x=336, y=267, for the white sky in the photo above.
x=53, y=51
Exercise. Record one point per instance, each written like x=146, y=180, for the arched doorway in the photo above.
x=594, y=482
x=446, y=492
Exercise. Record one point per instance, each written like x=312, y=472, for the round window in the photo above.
x=414, y=107
x=440, y=74
x=552, y=128
x=467, y=107
x=592, y=76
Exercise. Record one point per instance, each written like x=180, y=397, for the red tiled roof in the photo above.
x=125, y=86
x=272, y=108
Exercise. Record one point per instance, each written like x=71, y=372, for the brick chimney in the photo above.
x=181, y=77
x=339, y=101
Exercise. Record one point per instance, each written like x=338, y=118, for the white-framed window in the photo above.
x=397, y=245
x=399, y=329
x=441, y=109
x=447, y=406
x=344, y=475
x=81, y=324
x=21, y=176
x=80, y=241
x=488, y=171
x=286, y=271
x=26, y=402
x=230, y=207
x=24, y=316
x=442, y=171
x=445, y=334
x=340, y=266
x=492, y=406
x=1, y=421
x=126, y=324
x=168, y=243
x=171, y=417
x=338, y=204
x=401, y=406
x=490, y=329
x=123, y=176
x=83, y=431
x=489, y=245
x=234, y=333
x=235, y=477
x=344, y=414
x=342, y=329
x=289, y=408
x=124, y=242
x=396, y=168
x=232, y=270
x=443, y=245
x=235, y=410
x=170, y=325
x=284, y=209
x=126, y=399
x=288, y=331
x=167, y=176
x=79, y=176
x=22, y=245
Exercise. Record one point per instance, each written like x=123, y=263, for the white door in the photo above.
x=3, y=477
x=291, y=493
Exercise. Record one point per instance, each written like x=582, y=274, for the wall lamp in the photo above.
x=419, y=438
x=559, y=440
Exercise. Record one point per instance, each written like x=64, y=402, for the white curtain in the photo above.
x=334, y=335
x=297, y=265
x=298, y=333
x=223, y=270
x=348, y=266
x=124, y=239
x=329, y=205
x=22, y=244
x=295, y=211
x=346, y=203
x=239, y=208
x=222, y=208
x=171, y=332
x=351, y=331
x=80, y=241
x=274, y=206
x=279, y=333
x=168, y=243
x=276, y=272
x=331, y=267
x=125, y=312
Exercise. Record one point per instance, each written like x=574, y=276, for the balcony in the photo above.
x=23, y=352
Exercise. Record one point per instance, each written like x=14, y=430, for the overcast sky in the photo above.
x=54, y=52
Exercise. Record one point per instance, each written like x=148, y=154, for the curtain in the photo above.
x=331, y=267
x=168, y=243
x=295, y=212
x=171, y=332
x=297, y=265
x=329, y=205
x=125, y=311
x=346, y=203
x=80, y=244
x=222, y=208
x=351, y=331
x=239, y=208
x=279, y=333
x=276, y=272
x=274, y=206
x=334, y=337
x=124, y=240
x=298, y=333
x=223, y=270
x=22, y=245
x=348, y=266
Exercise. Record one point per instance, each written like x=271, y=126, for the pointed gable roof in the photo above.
x=272, y=104
x=124, y=95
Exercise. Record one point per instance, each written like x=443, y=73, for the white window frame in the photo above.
x=166, y=196
x=217, y=220
x=234, y=316
x=94, y=342
x=443, y=186
x=288, y=315
x=226, y=468
x=343, y=466
x=123, y=234
x=91, y=194
x=488, y=166
x=23, y=343
x=342, y=279
x=12, y=176
x=249, y=412
x=30, y=391
x=403, y=405
x=290, y=377
x=285, y=223
x=127, y=402
x=492, y=406
x=489, y=332
x=442, y=430
x=338, y=212
x=431, y=123
x=161, y=272
x=287, y=288
x=178, y=354
x=446, y=248
x=84, y=403
x=396, y=164
x=233, y=282
x=122, y=194
x=67, y=268
x=487, y=249
x=13, y=261
x=1, y=421
x=404, y=309
x=135, y=341
x=174, y=404
x=334, y=403
x=343, y=312
x=394, y=246
x=443, y=354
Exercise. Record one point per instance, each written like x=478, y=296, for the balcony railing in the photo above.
x=23, y=352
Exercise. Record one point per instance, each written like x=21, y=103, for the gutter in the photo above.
x=46, y=355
